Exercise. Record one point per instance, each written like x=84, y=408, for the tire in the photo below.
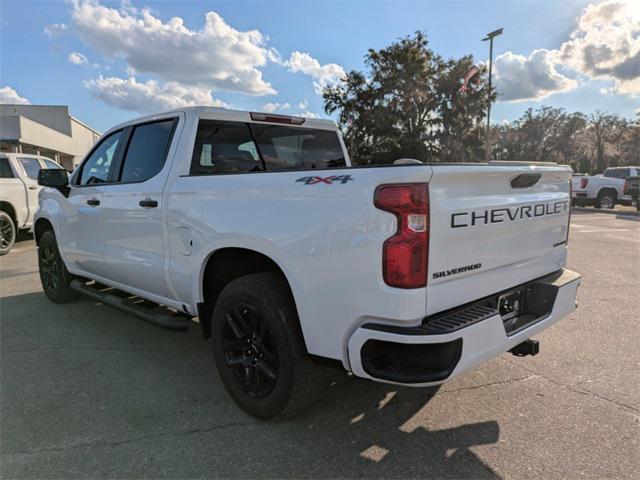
x=606, y=199
x=54, y=276
x=7, y=233
x=259, y=349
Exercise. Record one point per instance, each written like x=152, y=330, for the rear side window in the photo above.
x=31, y=166
x=234, y=147
x=613, y=173
x=147, y=151
x=224, y=147
x=5, y=168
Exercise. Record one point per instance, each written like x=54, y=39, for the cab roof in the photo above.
x=219, y=113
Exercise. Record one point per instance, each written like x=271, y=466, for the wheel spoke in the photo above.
x=267, y=369
x=235, y=327
x=251, y=380
x=235, y=360
x=241, y=321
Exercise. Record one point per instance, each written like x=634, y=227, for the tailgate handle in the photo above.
x=525, y=180
x=148, y=203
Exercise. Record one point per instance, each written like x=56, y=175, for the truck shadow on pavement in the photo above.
x=90, y=392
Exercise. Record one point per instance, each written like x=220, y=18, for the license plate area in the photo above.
x=518, y=307
x=523, y=306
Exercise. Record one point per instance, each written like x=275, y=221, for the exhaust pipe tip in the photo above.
x=528, y=347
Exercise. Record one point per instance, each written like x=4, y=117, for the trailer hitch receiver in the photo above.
x=528, y=347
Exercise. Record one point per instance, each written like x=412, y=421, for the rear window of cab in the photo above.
x=236, y=147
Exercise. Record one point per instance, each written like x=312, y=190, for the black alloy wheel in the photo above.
x=54, y=276
x=259, y=349
x=7, y=233
x=49, y=268
x=249, y=351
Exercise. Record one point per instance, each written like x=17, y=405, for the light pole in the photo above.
x=487, y=146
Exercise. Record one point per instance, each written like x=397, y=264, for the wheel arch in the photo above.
x=226, y=264
x=611, y=190
x=10, y=210
x=42, y=225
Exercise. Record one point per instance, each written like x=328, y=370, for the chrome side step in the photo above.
x=136, y=306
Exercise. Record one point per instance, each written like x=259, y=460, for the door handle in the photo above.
x=33, y=187
x=94, y=202
x=148, y=203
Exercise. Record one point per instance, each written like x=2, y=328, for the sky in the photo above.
x=111, y=61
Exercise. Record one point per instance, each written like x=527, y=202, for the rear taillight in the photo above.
x=625, y=187
x=584, y=182
x=405, y=254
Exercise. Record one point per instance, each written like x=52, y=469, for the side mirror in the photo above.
x=57, y=178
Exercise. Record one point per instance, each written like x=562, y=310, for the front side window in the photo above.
x=147, y=151
x=5, y=168
x=97, y=167
x=31, y=166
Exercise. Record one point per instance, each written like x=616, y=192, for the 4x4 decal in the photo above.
x=328, y=180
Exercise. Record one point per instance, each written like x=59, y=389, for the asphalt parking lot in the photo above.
x=89, y=392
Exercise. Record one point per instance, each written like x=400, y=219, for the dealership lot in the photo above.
x=87, y=391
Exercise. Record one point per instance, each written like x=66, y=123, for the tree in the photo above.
x=603, y=134
x=630, y=143
x=408, y=105
x=588, y=143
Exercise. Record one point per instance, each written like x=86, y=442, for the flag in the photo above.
x=470, y=74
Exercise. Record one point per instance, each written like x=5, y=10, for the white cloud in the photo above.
x=149, y=96
x=9, y=96
x=326, y=75
x=77, y=58
x=604, y=45
x=275, y=106
x=534, y=77
x=308, y=114
x=55, y=30
x=216, y=56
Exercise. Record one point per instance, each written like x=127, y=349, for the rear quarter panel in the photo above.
x=326, y=237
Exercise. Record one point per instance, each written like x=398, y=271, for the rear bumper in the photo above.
x=448, y=344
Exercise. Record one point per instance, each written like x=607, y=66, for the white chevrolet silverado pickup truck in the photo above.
x=19, y=194
x=603, y=191
x=292, y=258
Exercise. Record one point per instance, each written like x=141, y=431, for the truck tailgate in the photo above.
x=493, y=227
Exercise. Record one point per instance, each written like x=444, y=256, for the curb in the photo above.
x=608, y=212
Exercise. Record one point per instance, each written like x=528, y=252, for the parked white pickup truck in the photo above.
x=291, y=257
x=19, y=194
x=603, y=191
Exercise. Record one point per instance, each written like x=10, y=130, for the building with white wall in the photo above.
x=47, y=130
